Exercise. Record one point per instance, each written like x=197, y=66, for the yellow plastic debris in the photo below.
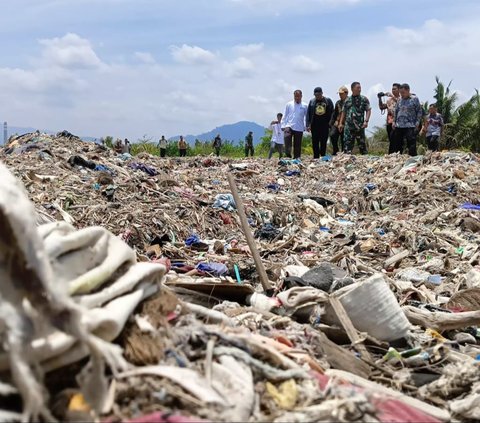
x=286, y=395
x=434, y=334
x=78, y=403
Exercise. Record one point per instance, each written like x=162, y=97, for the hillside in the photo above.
x=233, y=132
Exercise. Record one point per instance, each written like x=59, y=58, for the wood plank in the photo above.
x=342, y=359
x=396, y=258
x=349, y=328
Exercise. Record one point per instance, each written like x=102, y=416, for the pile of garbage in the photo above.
x=212, y=289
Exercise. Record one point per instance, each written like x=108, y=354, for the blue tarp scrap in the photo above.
x=151, y=171
x=470, y=206
x=217, y=269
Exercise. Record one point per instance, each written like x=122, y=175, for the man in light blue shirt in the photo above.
x=433, y=127
x=293, y=125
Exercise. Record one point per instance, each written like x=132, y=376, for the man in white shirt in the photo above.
x=293, y=125
x=276, y=143
x=162, y=145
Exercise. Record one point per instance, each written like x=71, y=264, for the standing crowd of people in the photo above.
x=343, y=122
x=346, y=121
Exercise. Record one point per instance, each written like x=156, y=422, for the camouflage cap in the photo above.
x=343, y=89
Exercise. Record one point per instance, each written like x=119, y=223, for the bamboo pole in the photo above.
x=248, y=234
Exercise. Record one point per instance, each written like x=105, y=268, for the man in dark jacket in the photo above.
x=217, y=144
x=249, y=144
x=319, y=113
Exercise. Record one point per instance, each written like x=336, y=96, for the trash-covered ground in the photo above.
x=365, y=306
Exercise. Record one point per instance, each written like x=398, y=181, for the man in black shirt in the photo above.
x=319, y=113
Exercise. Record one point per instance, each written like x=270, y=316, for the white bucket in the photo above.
x=373, y=308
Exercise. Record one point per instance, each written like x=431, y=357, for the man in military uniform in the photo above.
x=335, y=134
x=355, y=116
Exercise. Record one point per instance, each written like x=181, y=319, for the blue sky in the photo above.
x=130, y=68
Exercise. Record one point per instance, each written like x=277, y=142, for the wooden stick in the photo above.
x=396, y=258
x=342, y=359
x=441, y=321
x=349, y=328
x=248, y=234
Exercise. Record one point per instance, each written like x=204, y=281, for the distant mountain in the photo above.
x=232, y=132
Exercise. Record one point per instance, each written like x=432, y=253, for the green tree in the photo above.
x=264, y=146
x=145, y=145
x=109, y=141
x=378, y=141
x=465, y=128
x=445, y=100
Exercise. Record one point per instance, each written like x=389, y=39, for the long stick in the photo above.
x=248, y=234
x=349, y=328
x=396, y=258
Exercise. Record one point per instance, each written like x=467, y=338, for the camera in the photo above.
x=382, y=94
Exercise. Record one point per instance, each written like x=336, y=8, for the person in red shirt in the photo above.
x=389, y=106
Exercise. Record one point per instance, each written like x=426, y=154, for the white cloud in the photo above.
x=249, y=49
x=70, y=51
x=192, y=55
x=145, y=57
x=242, y=68
x=259, y=99
x=432, y=29
x=305, y=64
x=185, y=98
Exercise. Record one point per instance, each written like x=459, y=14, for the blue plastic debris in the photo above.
x=470, y=206
x=274, y=187
x=368, y=188
x=192, y=239
x=286, y=162
x=217, y=269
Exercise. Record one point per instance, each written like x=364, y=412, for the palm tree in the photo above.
x=445, y=100
x=465, y=130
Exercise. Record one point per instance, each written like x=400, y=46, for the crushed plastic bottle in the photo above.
x=368, y=188
x=435, y=279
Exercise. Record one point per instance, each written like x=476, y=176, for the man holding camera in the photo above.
x=406, y=121
x=355, y=116
x=390, y=105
